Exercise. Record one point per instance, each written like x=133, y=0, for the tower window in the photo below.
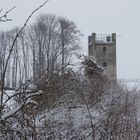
x=108, y=38
x=104, y=49
x=104, y=64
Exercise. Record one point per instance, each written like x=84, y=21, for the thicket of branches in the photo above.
x=30, y=59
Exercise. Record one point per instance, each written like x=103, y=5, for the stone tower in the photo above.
x=103, y=48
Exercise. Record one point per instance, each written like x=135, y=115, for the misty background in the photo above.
x=101, y=17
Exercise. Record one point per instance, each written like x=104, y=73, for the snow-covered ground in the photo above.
x=69, y=123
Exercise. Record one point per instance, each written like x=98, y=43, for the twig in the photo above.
x=4, y=18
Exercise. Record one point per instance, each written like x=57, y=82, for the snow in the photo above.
x=14, y=109
x=76, y=121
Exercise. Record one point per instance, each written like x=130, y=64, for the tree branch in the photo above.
x=17, y=109
x=4, y=18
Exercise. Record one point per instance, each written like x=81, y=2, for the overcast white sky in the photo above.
x=100, y=16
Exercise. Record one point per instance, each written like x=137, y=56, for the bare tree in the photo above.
x=47, y=36
x=69, y=39
x=44, y=44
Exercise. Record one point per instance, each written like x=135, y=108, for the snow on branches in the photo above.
x=91, y=68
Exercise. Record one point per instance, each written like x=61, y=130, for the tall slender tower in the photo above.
x=103, y=48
